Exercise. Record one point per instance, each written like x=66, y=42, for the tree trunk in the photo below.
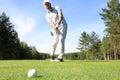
x=104, y=56
x=115, y=49
x=108, y=56
x=115, y=54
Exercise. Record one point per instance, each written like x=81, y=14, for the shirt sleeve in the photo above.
x=58, y=9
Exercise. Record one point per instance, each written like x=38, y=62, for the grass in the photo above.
x=68, y=70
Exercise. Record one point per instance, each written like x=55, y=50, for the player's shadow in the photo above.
x=39, y=76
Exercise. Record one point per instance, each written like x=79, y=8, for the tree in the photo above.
x=10, y=45
x=89, y=44
x=106, y=48
x=35, y=53
x=94, y=45
x=25, y=52
x=9, y=40
x=111, y=17
x=83, y=43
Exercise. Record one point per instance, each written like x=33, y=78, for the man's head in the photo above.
x=46, y=1
x=47, y=5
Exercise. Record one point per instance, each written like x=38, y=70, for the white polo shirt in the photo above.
x=53, y=16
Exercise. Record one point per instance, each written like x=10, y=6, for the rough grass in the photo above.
x=68, y=70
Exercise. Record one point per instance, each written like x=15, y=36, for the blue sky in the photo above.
x=28, y=16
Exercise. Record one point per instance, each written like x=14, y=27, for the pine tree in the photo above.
x=89, y=44
x=9, y=40
x=111, y=17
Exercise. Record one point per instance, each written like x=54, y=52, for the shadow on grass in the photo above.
x=39, y=76
x=97, y=60
x=36, y=77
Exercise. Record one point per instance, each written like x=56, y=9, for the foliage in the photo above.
x=10, y=45
x=9, y=41
x=72, y=56
x=111, y=17
x=89, y=45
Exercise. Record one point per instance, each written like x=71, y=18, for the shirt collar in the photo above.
x=51, y=11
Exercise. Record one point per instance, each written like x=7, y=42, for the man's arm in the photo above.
x=60, y=16
x=52, y=25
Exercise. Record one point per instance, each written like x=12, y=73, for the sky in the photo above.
x=28, y=16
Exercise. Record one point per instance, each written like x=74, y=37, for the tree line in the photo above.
x=90, y=46
x=10, y=45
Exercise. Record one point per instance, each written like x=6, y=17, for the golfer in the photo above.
x=58, y=24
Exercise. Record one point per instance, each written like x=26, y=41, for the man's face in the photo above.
x=48, y=5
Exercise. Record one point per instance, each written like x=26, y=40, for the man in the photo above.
x=56, y=20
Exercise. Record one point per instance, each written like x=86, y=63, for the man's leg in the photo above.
x=62, y=42
x=54, y=44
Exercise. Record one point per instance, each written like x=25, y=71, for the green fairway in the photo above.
x=68, y=70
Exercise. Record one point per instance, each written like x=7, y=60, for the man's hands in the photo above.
x=56, y=28
x=57, y=25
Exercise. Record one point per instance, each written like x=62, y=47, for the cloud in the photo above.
x=23, y=24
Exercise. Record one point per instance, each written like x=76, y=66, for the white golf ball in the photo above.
x=32, y=73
